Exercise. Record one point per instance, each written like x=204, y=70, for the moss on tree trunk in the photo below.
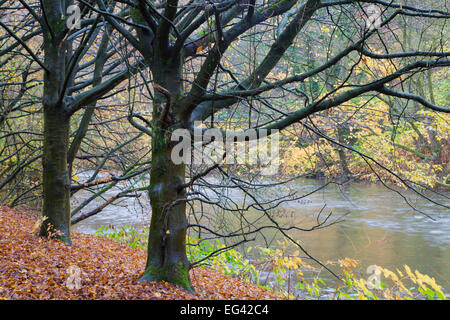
x=56, y=180
x=56, y=177
x=167, y=260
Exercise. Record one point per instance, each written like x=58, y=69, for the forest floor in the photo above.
x=35, y=268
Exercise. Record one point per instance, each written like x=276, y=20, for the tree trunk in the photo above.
x=56, y=180
x=166, y=260
x=342, y=132
x=56, y=177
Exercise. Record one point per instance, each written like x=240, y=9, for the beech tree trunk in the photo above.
x=56, y=179
x=167, y=259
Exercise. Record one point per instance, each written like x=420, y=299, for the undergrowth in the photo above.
x=287, y=271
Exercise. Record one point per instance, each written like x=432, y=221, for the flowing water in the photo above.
x=378, y=226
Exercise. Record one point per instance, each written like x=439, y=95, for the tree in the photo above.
x=65, y=49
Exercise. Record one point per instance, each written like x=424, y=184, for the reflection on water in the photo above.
x=378, y=226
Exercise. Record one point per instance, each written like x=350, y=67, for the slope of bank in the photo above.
x=35, y=268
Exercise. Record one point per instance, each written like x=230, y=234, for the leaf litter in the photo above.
x=32, y=267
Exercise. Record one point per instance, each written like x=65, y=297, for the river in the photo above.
x=378, y=227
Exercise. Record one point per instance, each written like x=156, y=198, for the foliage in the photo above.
x=283, y=267
x=229, y=262
x=402, y=147
x=124, y=234
x=399, y=285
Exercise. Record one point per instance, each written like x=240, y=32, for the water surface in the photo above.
x=378, y=226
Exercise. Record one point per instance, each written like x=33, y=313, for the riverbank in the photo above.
x=35, y=268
